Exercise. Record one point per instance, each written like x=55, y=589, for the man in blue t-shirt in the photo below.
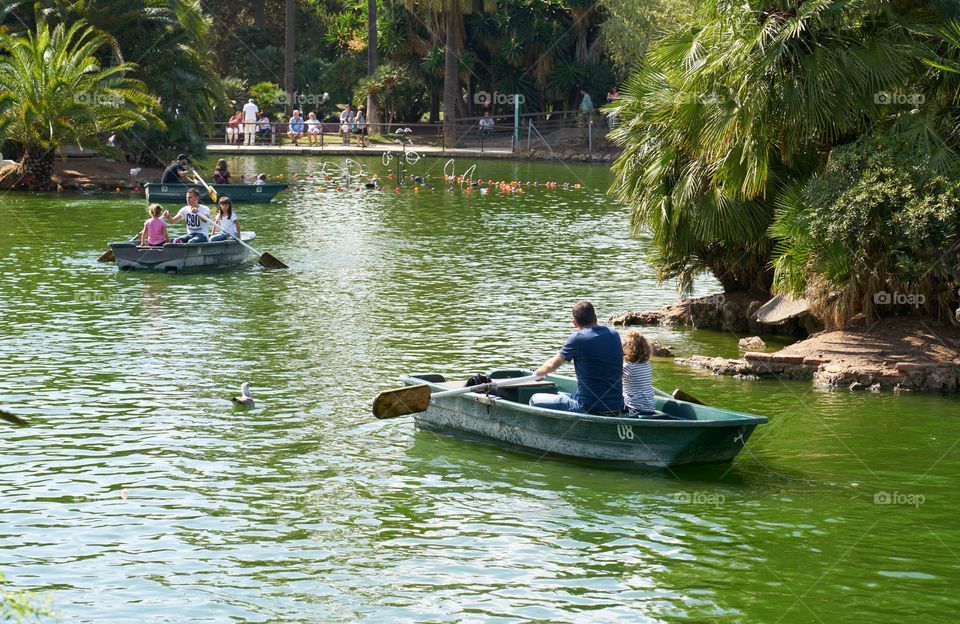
x=597, y=357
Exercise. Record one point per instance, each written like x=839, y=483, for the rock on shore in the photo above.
x=729, y=311
x=891, y=354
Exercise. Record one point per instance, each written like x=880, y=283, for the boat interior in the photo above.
x=668, y=410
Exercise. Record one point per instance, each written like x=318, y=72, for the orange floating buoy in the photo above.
x=416, y=189
x=320, y=190
x=118, y=189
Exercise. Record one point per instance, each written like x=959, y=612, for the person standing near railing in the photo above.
x=250, y=111
x=360, y=124
x=346, y=120
x=586, y=106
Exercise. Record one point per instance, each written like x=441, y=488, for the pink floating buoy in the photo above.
x=123, y=494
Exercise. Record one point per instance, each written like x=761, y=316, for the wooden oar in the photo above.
x=210, y=190
x=414, y=399
x=109, y=257
x=680, y=395
x=265, y=259
x=14, y=419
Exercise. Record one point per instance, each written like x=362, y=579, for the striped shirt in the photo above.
x=638, y=386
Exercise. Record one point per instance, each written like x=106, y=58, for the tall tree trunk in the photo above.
x=372, y=113
x=434, y=105
x=451, y=82
x=33, y=171
x=259, y=14
x=289, y=44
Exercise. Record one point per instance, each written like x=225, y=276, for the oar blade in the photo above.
x=107, y=257
x=402, y=401
x=271, y=263
x=680, y=395
x=13, y=419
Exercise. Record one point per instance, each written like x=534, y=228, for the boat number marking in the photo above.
x=163, y=189
x=625, y=432
x=259, y=189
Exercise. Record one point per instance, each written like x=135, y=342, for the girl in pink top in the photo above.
x=154, y=229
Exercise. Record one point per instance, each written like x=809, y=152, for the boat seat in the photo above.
x=675, y=411
x=522, y=393
x=431, y=377
x=507, y=373
x=453, y=385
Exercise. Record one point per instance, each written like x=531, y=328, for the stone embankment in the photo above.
x=891, y=354
x=901, y=353
x=730, y=311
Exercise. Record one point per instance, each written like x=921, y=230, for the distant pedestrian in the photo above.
x=360, y=127
x=486, y=125
x=250, y=111
x=314, y=127
x=346, y=120
x=612, y=96
x=233, y=127
x=586, y=106
x=295, y=127
x=264, y=129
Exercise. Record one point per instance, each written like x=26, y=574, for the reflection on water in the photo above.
x=306, y=509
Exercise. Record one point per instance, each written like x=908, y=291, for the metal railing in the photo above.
x=468, y=133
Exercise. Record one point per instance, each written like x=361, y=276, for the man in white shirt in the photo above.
x=250, y=111
x=197, y=229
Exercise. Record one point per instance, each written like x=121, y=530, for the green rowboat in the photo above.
x=679, y=434
x=238, y=193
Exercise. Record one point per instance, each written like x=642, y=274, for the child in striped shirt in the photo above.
x=637, y=376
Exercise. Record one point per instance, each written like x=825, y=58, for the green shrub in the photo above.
x=877, y=233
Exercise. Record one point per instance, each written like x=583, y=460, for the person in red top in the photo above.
x=233, y=128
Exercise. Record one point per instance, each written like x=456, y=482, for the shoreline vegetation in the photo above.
x=895, y=353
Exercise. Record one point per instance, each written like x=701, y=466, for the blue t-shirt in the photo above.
x=598, y=359
x=296, y=124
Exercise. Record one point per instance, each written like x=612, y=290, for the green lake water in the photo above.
x=306, y=509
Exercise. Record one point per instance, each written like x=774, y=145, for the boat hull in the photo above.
x=704, y=436
x=238, y=193
x=181, y=258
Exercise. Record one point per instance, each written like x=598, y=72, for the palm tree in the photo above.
x=289, y=43
x=733, y=109
x=54, y=92
x=168, y=40
x=450, y=14
x=372, y=116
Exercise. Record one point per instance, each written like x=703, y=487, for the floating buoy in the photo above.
x=398, y=189
x=320, y=190
x=416, y=189
x=338, y=189
x=117, y=190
